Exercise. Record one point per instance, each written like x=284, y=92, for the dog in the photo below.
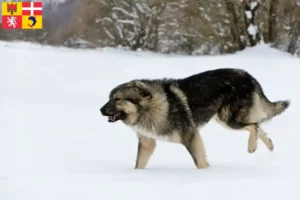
x=174, y=110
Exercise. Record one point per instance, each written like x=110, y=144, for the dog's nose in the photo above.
x=107, y=108
x=102, y=110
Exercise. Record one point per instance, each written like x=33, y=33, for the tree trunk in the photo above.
x=252, y=30
x=272, y=21
x=234, y=26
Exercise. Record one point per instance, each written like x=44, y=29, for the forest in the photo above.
x=191, y=27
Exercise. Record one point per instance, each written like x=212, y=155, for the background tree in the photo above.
x=170, y=26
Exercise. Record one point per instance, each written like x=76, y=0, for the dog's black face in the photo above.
x=110, y=110
x=126, y=101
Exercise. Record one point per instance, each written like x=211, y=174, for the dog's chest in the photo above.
x=173, y=137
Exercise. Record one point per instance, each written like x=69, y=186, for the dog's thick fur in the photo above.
x=175, y=109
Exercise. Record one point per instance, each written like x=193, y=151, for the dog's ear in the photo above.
x=137, y=83
x=141, y=88
x=145, y=93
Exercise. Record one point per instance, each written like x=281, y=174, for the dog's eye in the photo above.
x=117, y=99
x=131, y=100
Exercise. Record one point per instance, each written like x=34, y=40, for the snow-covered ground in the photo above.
x=55, y=145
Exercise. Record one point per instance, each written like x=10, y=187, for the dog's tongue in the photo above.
x=113, y=118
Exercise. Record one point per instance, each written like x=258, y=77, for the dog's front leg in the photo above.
x=194, y=144
x=146, y=147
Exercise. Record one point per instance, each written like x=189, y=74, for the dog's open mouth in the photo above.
x=116, y=117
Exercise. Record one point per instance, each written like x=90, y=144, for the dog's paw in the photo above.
x=271, y=145
x=251, y=150
x=252, y=146
x=203, y=165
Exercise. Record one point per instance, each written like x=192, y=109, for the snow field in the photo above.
x=54, y=143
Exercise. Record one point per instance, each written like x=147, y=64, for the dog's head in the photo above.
x=127, y=101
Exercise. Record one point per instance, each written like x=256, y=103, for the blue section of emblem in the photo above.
x=33, y=19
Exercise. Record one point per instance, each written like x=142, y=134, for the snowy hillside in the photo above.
x=55, y=145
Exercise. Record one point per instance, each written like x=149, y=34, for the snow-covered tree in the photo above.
x=130, y=23
x=170, y=26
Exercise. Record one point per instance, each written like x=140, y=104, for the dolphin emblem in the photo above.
x=33, y=19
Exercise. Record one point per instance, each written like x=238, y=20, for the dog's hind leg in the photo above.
x=262, y=135
x=257, y=132
x=252, y=141
x=194, y=144
x=146, y=148
x=235, y=125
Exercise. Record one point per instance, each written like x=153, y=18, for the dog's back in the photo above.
x=232, y=94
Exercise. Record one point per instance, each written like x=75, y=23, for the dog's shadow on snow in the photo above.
x=214, y=172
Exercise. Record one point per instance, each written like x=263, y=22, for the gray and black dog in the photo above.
x=175, y=109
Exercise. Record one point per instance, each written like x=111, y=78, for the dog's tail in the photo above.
x=278, y=107
x=264, y=110
x=273, y=109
